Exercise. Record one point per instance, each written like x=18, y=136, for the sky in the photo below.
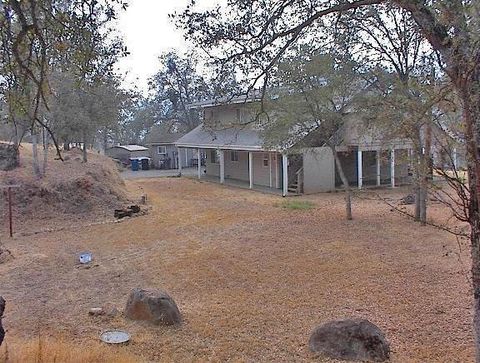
x=147, y=32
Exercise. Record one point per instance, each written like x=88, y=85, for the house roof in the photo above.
x=131, y=147
x=161, y=135
x=252, y=97
x=232, y=138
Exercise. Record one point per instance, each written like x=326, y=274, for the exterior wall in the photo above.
x=124, y=155
x=139, y=154
x=172, y=154
x=229, y=114
x=239, y=169
x=118, y=153
x=349, y=165
x=318, y=170
x=369, y=167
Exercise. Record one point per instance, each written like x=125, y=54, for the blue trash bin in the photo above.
x=135, y=164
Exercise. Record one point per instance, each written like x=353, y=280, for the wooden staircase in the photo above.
x=296, y=186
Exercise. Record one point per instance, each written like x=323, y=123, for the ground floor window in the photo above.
x=215, y=156
x=234, y=155
x=266, y=160
x=162, y=150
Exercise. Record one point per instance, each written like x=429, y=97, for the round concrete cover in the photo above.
x=115, y=337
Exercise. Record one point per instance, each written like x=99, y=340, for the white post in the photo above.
x=360, y=169
x=250, y=168
x=285, y=174
x=455, y=158
x=199, y=162
x=392, y=167
x=222, y=166
x=270, y=168
x=179, y=161
x=379, y=173
x=277, y=175
x=186, y=158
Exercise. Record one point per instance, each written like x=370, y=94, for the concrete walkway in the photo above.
x=154, y=173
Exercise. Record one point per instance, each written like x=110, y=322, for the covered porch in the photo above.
x=261, y=170
x=366, y=167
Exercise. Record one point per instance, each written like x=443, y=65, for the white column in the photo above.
x=285, y=174
x=250, y=168
x=186, y=158
x=270, y=168
x=179, y=156
x=199, y=162
x=277, y=174
x=222, y=166
x=454, y=157
x=360, y=169
x=392, y=167
x=379, y=172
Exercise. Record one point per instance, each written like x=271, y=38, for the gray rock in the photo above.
x=408, y=200
x=154, y=306
x=354, y=340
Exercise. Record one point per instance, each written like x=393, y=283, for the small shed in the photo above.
x=126, y=152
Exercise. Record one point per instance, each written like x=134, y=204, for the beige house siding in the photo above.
x=318, y=170
x=171, y=152
x=239, y=169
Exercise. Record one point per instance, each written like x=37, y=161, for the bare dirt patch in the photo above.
x=72, y=192
x=252, y=279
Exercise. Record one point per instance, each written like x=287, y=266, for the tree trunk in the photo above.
x=36, y=165
x=2, y=309
x=84, y=147
x=346, y=185
x=45, y=150
x=471, y=115
x=416, y=181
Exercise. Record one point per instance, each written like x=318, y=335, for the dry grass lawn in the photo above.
x=251, y=277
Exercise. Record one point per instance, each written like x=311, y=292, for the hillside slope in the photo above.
x=70, y=191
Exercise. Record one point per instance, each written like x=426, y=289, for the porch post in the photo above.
x=270, y=168
x=277, y=175
x=360, y=169
x=455, y=158
x=179, y=156
x=187, y=164
x=199, y=162
x=222, y=166
x=250, y=169
x=379, y=173
x=285, y=174
x=392, y=167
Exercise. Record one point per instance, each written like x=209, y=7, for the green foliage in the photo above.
x=41, y=38
x=313, y=94
x=297, y=204
x=177, y=84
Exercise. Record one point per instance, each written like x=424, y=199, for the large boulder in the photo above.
x=354, y=340
x=2, y=309
x=154, y=306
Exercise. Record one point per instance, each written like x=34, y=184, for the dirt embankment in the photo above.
x=70, y=191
